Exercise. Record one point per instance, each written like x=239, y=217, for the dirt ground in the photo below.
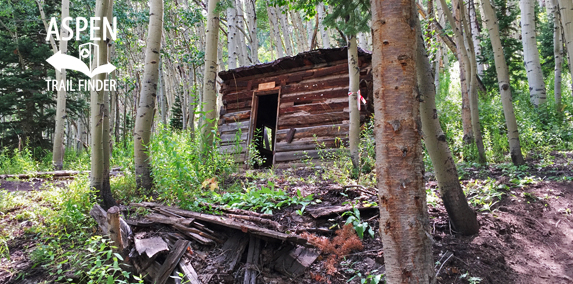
x=527, y=237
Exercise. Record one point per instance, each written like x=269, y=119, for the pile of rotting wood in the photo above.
x=236, y=246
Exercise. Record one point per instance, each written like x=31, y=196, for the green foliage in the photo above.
x=17, y=162
x=180, y=165
x=359, y=226
x=483, y=194
x=266, y=199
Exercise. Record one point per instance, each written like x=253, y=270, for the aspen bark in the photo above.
x=475, y=35
x=161, y=92
x=58, y=147
x=322, y=28
x=276, y=35
x=98, y=118
x=250, y=11
x=353, y=101
x=473, y=94
x=464, y=65
x=240, y=36
x=491, y=22
x=566, y=11
x=463, y=218
x=286, y=31
x=553, y=11
x=210, y=77
x=300, y=31
x=402, y=200
x=146, y=107
x=231, y=38
x=537, y=92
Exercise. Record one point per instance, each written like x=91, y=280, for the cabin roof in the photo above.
x=308, y=58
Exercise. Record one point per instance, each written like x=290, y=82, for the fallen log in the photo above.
x=53, y=174
x=100, y=217
x=232, y=249
x=252, y=269
x=325, y=211
x=227, y=222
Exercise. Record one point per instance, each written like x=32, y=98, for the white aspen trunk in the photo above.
x=161, y=93
x=463, y=218
x=537, y=93
x=273, y=19
x=473, y=94
x=362, y=41
x=99, y=179
x=250, y=11
x=58, y=147
x=146, y=108
x=566, y=11
x=300, y=31
x=437, y=69
x=231, y=36
x=553, y=11
x=490, y=19
x=240, y=37
x=475, y=35
x=464, y=65
x=322, y=29
x=208, y=123
x=286, y=31
x=310, y=32
x=353, y=102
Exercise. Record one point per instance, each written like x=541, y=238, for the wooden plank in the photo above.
x=315, y=107
x=321, y=85
x=189, y=273
x=171, y=261
x=232, y=149
x=302, y=119
x=232, y=251
x=306, y=154
x=266, y=86
x=336, y=130
x=230, y=223
x=237, y=116
x=238, y=106
x=239, y=96
x=233, y=127
x=294, y=261
x=150, y=246
x=233, y=137
x=311, y=144
x=253, y=256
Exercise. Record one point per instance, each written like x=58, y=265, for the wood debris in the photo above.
x=169, y=241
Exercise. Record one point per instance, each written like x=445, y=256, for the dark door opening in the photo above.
x=265, y=128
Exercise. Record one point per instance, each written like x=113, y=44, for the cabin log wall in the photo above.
x=313, y=101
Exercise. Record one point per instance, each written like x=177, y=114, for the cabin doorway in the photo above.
x=265, y=122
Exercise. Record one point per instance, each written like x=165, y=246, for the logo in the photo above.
x=89, y=55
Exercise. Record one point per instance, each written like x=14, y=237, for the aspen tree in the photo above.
x=250, y=11
x=463, y=218
x=58, y=147
x=537, y=92
x=566, y=13
x=146, y=107
x=231, y=38
x=553, y=11
x=502, y=71
x=322, y=28
x=275, y=32
x=209, y=102
x=399, y=158
x=98, y=119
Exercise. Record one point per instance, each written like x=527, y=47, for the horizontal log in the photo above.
x=233, y=127
x=238, y=96
x=234, y=106
x=311, y=144
x=303, y=118
x=326, y=154
x=316, y=86
x=315, y=108
x=233, y=137
x=236, y=116
x=338, y=130
x=54, y=174
x=228, y=222
x=233, y=149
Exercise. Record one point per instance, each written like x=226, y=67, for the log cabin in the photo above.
x=291, y=109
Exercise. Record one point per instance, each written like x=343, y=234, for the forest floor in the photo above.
x=526, y=233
